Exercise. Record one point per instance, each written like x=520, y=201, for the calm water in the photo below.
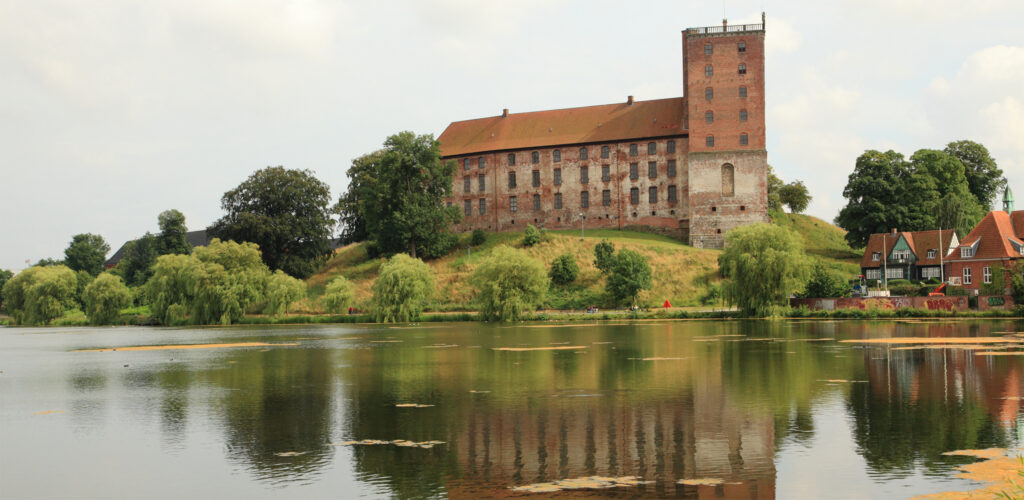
x=718, y=400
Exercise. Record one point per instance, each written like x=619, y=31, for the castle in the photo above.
x=693, y=167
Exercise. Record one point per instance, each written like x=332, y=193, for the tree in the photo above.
x=39, y=294
x=5, y=276
x=399, y=193
x=401, y=289
x=825, y=283
x=509, y=283
x=950, y=189
x=564, y=269
x=774, y=185
x=795, y=196
x=531, y=236
x=82, y=280
x=479, y=237
x=339, y=294
x=169, y=291
x=984, y=178
x=762, y=264
x=282, y=291
x=136, y=265
x=874, y=196
x=86, y=252
x=105, y=297
x=954, y=212
x=172, y=233
x=630, y=274
x=283, y=211
x=604, y=256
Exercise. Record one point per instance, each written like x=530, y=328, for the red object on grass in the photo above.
x=666, y=304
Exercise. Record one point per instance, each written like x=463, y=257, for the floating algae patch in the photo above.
x=385, y=341
x=48, y=412
x=412, y=405
x=474, y=391
x=842, y=381
x=184, y=346
x=998, y=470
x=933, y=340
x=291, y=453
x=551, y=348
x=659, y=359
x=943, y=346
x=703, y=481
x=580, y=483
x=396, y=442
x=999, y=353
x=440, y=346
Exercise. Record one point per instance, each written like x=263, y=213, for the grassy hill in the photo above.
x=682, y=274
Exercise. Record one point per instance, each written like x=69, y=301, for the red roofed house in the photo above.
x=907, y=255
x=693, y=167
x=992, y=244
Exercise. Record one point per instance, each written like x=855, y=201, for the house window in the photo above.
x=465, y=184
x=584, y=199
x=671, y=168
x=633, y=150
x=876, y=256
x=709, y=117
x=584, y=174
x=558, y=177
x=482, y=181
x=894, y=273
x=652, y=148
x=556, y=155
x=743, y=115
x=511, y=203
x=652, y=170
x=606, y=197
x=966, y=252
x=874, y=274
x=986, y=274
x=744, y=139
x=709, y=141
x=536, y=202
x=652, y=194
x=728, y=180
x=634, y=196
x=709, y=93
x=511, y=159
x=634, y=171
x=741, y=47
x=483, y=206
x=606, y=173
x=743, y=92
x=583, y=154
x=932, y=253
x=967, y=276
x=708, y=49
x=536, y=178
x=468, y=208
x=511, y=180
x=535, y=157
x=481, y=162
x=930, y=272
x=465, y=164
x=708, y=70
x=672, y=194
x=671, y=147
x=742, y=69
x=605, y=152
x=558, y=201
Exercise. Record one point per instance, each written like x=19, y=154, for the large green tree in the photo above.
x=136, y=264
x=949, y=189
x=398, y=194
x=984, y=177
x=510, y=282
x=40, y=294
x=86, y=252
x=401, y=289
x=630, y=273
x=795, y=196
x=874, y=194
x=762, y=264
x=5, y=275
x=285, y=212
x=172, y=233
x=774, y=185
x=104, y=298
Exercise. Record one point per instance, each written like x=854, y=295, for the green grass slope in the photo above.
x=823, y=241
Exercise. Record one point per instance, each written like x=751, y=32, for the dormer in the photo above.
x=968, y=251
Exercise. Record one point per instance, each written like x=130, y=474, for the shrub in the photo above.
x=630, y=274
x=479, y=237
x=604, y=256
x=339, y=295
x=564, y=269
x=282, y=291
x=713, y=295
x=825, y=283
x=509, y=282
x=104, y=297
x=401, y=289
x=38, y=294
x=531, y=236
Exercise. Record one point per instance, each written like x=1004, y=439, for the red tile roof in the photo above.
x=603, y=123
x=1017, y=219
x=993, y=235
x=928, y=240
x=875, y=245
x=919, y=241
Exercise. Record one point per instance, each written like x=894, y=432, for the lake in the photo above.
x=749, y=409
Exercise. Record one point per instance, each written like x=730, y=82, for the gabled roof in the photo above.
x=918, y=241
x=993, y=238
x=928, y=240
x=1017, y=220
x=875, y=245
x=602, y=123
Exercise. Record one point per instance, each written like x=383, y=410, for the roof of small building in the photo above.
x=194, y=238
x=875, y=245
x=589, y=124
x=919, y=241
x=993, y=236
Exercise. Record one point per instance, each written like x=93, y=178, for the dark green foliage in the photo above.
x=564, y=269
x=137, y=262
x=604, y=256
x=479, y=237
x=105, y=297
x=39, y=294
x=283, y=211
x=82, y=280
x=825, y=282
x=171, y=239
x=713, y=295
x=630, y=274
x=48, y=262
x=531, y=236
x=396, y=198
x=763, y=264
x=984, y=177
x=87, y=252
x=775, y=184
x=998, y=284
x=795, y=196
x=5, y=276
x=510, y=283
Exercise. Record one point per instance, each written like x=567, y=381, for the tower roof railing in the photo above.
x=736, y=28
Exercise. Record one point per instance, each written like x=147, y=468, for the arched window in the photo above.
x=741, y=47
x=557, y=155
x=605, y=152
x=728, y=180
x=583, y=153
x=535, y=156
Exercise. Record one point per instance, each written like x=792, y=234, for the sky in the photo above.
x=113, y=111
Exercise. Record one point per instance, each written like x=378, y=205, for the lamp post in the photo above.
x=582, y=222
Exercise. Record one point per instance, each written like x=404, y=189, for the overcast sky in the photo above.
x=113, y=111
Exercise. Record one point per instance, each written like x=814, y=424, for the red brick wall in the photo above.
x=956, y=269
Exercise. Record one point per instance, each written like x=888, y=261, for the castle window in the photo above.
x=728, y=180
x=536, y=202
x=652, y=194
x=709, y=141
x=535, y=157
x=465, y=184
x=536, y=178
x=672, y=194
x=671, y=168
x=633, y=150
x=634, y=196
x=468, y=208
x=556, y=155
x=670, y=146
x=709, y=117
x=652, y=148
x=583, y=153
x=714, y=209
x=743, y=92
x=741, y=47
x=743, y=115
x=511, y=159
x=480, y=162
x=634, y=171
x=708, y=70
x=744, y=140
x=743, y=69
x=584, y=199
x=709, y=93
x=606, y=197
x=652, y=169
x=511, y=180
x=708, y=49
x=605, y=152
x=483, y=182
x=483, y=206
x=584, y=174
x=558, y=177
x=512, y=204
x=465, y=164
x=606, y=174
x=558, y=201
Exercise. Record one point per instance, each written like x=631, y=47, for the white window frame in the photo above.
x=966, y=252
x=932, y=253
x=876, y=256
x=986, y=275
x=873, y=274
x=930, y=272
x=967, y=276
x=894, y=273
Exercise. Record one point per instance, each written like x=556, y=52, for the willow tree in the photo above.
x=763, y=264
x=339, y=294
x=282, y=292
x=509, y=282
x=105, y=296
x=40, y=294
x=401, y=289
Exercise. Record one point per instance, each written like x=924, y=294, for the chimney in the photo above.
x=893, y=230
x=504, y=113
x=629, y=101
x=725, y=22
